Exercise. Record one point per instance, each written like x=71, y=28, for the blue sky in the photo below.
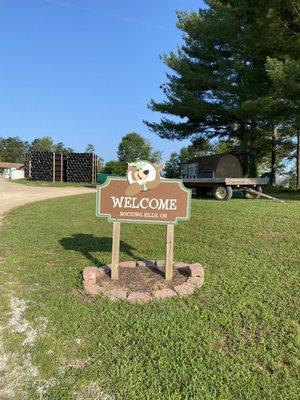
x=83, y=71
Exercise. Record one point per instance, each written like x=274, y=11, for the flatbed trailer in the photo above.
x=223, y=188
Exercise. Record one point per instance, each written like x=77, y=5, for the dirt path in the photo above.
x=14, y=194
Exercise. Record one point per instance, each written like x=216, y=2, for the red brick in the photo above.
x=196, y=269
x=116, y=294
x=184, y=289
x=180, y=265
x=141, y=263
x=182, y=268
x=91, y=274
x=196, y=281
x=127, y=264
x=139, y=297
x=164, y=293
x=92, y=288
x=159, y=263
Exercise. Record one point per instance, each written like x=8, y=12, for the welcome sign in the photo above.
x=168, y=203
x=143, y=197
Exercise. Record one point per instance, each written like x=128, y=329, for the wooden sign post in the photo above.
x=144, y=197
x=169, y=252
x=115, y=250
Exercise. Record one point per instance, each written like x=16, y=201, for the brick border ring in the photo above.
x=92, y=283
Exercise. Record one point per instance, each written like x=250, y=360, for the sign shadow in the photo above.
x=86, y=244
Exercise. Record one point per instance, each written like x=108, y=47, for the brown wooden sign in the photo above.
x=143, y=197
x=167, y=203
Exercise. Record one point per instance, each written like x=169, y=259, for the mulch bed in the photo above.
x=142, y=281
x=143, y=278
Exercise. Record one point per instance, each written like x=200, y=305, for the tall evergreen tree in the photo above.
x=219, y=81
x=284, y=71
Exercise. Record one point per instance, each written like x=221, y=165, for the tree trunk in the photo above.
x=245, y=153
x=273, y=156
x=248, y=143
x=253, y=164
x=298, y=159
x=253, y=151
x=244, y=159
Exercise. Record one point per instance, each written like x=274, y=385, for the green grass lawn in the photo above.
x=235, y=338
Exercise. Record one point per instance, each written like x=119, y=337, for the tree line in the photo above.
x=236, y=79
x=131, y=147
x=14, y=149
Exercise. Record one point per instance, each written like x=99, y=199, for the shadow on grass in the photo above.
x=86, y=244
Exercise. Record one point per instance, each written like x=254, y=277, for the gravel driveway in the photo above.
x=15, y=194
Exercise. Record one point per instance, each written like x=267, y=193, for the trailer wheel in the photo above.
x=222, y=192
x=251, y=196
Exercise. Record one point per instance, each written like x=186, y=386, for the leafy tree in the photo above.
x=100, y=164
x=60, y=148
x=226, y=146
x=115, y=167
x=172, y=168
x=46, y=144
x=13, y=149
x=90, y=148
x=198, y=148
x=220, y=86
x=276, y=146
x=134, y=147
x=155, y=156
x=42, y=144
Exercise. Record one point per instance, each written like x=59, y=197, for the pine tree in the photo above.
x=220, y=85
x=284, y=72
